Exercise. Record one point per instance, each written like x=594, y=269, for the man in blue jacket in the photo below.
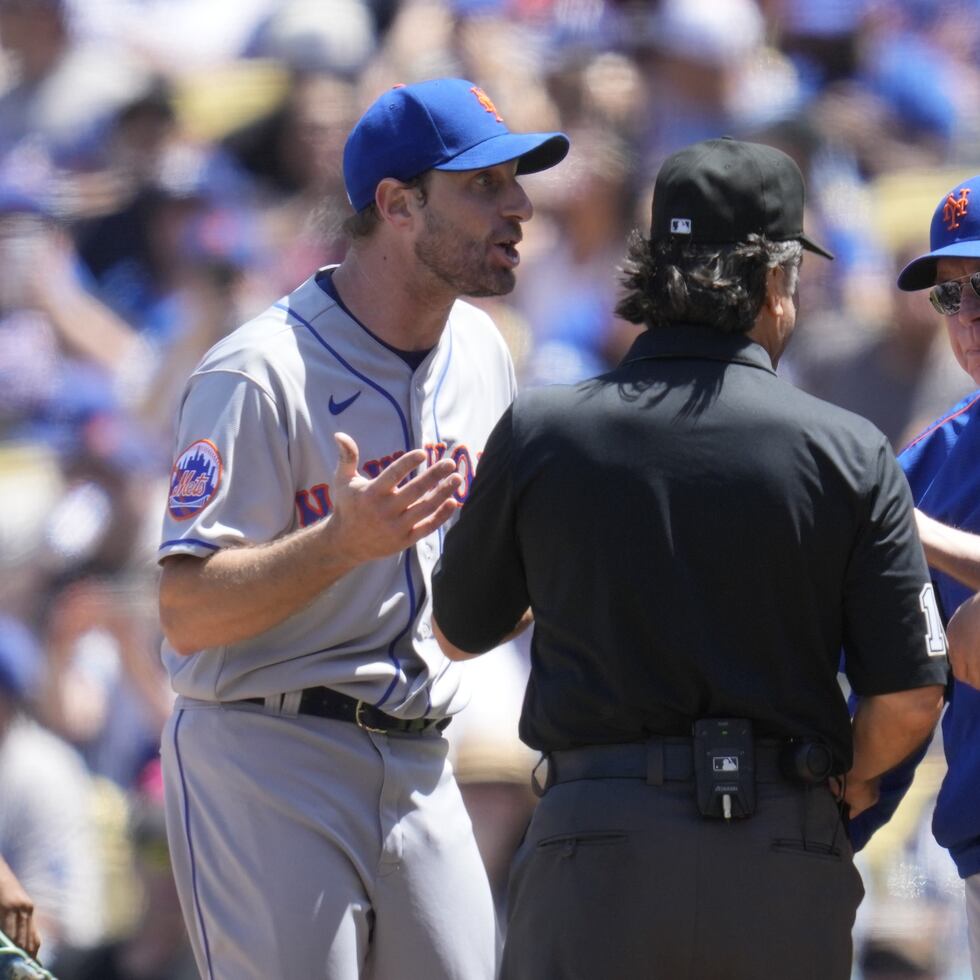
x=943, y=468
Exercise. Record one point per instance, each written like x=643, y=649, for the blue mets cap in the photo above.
x=954, y=233
x=442, y=124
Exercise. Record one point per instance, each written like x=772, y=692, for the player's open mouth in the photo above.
x=508, y=249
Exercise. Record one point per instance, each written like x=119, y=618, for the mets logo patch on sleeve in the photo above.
x=195, y=479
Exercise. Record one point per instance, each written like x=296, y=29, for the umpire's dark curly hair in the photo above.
x=722, y=286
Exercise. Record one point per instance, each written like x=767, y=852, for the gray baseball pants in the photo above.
x=308, y=848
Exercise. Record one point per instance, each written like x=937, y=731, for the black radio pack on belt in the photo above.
x=806, y=760
x=724, y=767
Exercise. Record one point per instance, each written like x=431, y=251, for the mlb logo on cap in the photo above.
x=727, y=190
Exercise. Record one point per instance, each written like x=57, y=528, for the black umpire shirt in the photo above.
x=696, y=538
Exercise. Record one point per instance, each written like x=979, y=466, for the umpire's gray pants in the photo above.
x=621, y=880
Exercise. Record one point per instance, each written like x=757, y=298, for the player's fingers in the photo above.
x=23, y=931
x=435, y=520
x=399, y=469
x=427, y=503
x=347, y=463
x=33, y=939
x=426, y=482
x=10, y=924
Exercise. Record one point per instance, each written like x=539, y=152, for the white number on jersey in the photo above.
x=935, y=634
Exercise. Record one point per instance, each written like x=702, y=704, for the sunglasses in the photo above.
x=945, y=297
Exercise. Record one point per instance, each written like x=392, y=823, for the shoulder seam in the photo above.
x=242, y=374
x=939, y=423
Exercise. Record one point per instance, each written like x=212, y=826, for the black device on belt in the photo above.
x=730, y=760
x=724, y=767
x=324, y=702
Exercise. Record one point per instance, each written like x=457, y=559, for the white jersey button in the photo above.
x=425, y=631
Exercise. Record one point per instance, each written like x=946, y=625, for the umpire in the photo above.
x=697, y=541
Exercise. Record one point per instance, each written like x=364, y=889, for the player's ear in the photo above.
x=394, y=201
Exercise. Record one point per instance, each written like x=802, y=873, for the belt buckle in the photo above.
x=362, y=724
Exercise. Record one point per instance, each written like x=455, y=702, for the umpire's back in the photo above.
x=700, y=539
x=697, y=542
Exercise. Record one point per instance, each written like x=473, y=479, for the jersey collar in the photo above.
x=697, y=342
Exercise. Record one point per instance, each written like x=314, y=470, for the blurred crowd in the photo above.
x=170, y=167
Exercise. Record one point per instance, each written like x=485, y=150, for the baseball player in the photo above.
x=315, y=826
x=941, y=467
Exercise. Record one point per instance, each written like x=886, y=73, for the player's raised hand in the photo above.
x=375, y=518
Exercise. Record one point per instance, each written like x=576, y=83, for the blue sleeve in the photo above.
x=894, y=785
x=922, y=461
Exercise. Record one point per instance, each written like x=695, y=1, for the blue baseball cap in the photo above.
x=442, y=124
x=954, y=233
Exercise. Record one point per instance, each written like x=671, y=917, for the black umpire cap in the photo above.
x=721, y=191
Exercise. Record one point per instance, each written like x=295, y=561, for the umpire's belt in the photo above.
x=656, y=761
x=324, y=702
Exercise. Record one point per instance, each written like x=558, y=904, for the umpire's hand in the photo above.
x=858, y=794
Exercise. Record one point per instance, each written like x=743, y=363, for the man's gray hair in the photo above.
x=720, y=286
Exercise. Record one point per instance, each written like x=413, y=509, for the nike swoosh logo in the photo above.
x=337, y=407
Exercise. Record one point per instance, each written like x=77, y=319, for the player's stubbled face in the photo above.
x=963, y=327
x=472, y=225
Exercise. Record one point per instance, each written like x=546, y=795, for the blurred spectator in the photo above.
x=104, y=691
x=568, y=289
x=296, y=148
x=47, y=836
x=155, y=946
x=59, y=346
x=821, y=39
x=138, y=253
x=298, y=34
x=492, y=764
x=920, y=57
x=709, y=74
x=60, y=90
x=174, y=36
x=167, y=255
x=293, y=155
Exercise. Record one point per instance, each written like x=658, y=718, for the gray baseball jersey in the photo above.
x=255, y=456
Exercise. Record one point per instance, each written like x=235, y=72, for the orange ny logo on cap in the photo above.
x=485, y=101
x=955, y=208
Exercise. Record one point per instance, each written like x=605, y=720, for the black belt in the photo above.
x=324, y=702
x=656, y=761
